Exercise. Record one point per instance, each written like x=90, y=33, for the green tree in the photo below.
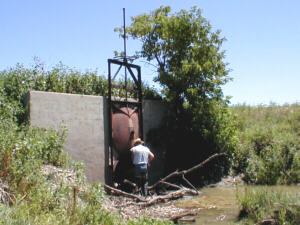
x=191, y=70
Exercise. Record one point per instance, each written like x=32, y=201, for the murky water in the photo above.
x=220, y=205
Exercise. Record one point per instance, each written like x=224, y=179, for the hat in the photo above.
x=138, y=141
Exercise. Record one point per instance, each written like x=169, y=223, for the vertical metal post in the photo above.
x=109, y=116
x=124, y=28
x=125, y=53
x=140, y=97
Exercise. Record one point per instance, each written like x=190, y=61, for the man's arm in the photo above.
x=150, y=158
x=132, y=156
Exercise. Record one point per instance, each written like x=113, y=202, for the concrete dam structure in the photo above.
x=86, y=120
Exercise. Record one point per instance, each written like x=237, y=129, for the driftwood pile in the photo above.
x=5, y=196
x=58, y=175
x=130, y=209
x=130, y=205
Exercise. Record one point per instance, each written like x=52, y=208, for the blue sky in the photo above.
x=262, y=46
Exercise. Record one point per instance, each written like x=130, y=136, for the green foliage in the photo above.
x=268, y=151
x=24, y=150
x=191, y=71
x=259, y=203
x=186, y=51
x=17, y=81
x=45, y=198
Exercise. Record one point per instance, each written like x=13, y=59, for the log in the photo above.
x=187, y=220
x=184, y=172
x=5, y=196
x=123, y=193
x=172, y=195
x=176, y=218
x=171, y=185
x=129, y=182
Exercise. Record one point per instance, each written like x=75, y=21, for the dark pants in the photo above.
x=141, y=176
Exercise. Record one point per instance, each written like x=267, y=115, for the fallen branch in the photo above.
x=187, y=220
x=184, y=172
x=171, y=185
x=179, y=217
x=6, y=197
x=123, y=193
x=189, y=183
x=125, y=181
x=172, y=195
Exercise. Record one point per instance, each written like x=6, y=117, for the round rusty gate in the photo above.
x=125, y=128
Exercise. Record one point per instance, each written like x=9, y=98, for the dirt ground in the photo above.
x=130, y=209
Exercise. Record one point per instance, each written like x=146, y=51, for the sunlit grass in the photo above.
x=278, y=203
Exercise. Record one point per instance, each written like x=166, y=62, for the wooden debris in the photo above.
x=268, y=222
x=129, y=209
x=115, y=191
x=5, y=196
x=171, y=196
x=179, y=217
x=129, y=182
x=171, y=185
x=153, y=200
x=133, y=206
x=184, y=172
x=187, y=220
x=57, y=175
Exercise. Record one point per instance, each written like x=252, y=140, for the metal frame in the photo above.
x=115, y=104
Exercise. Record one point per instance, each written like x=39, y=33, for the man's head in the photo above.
x=137, y=141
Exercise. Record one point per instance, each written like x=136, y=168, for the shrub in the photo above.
x=259, y=203
x=17, y=81
x=38, y=198
x=269, y=144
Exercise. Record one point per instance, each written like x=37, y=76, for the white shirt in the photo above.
x=141, y=154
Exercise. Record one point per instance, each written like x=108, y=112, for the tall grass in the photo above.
x=275, y=204
x=268, y=150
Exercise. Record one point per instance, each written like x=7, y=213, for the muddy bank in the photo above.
x=129, y=209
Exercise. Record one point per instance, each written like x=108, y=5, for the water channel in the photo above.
x=220, y=205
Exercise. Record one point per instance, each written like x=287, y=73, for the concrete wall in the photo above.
x=86, y=118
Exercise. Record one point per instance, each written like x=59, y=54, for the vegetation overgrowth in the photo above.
x=261, y=142
x=274, y=205
x=268, y=153
x=28, y=196
x=268, y=150
x=17, y=81
x=191, y=69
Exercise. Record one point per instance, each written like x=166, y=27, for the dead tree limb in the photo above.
x=123, y=193
x=187, y=220
x=175, y=173
x=184, y=172
x=5, y=196
x=189, y=183
x=203, y=163
x=171, y=185
x=176, y=218
x=129, y=182
x=172, y=195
